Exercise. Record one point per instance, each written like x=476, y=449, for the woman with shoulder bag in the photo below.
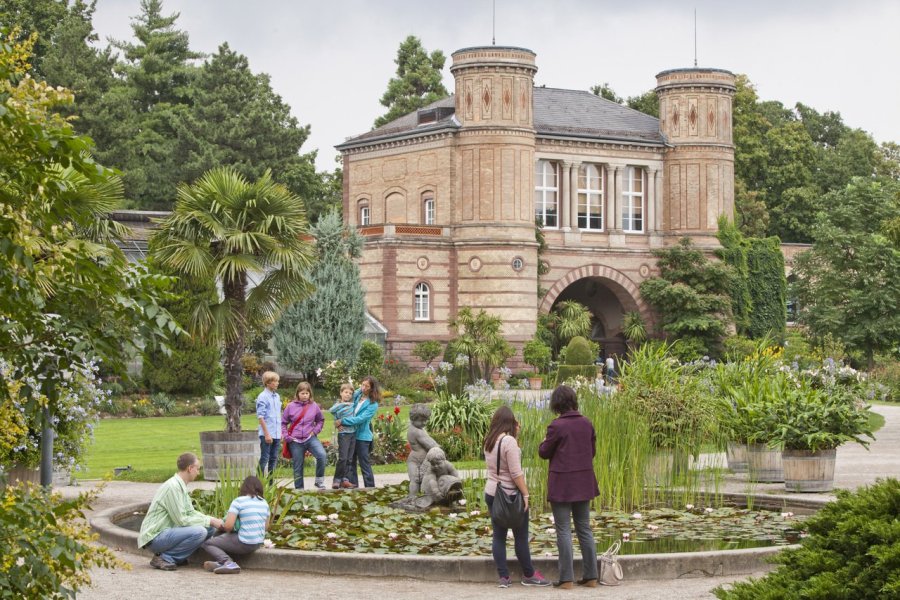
x=505, y=476
x=570, y=446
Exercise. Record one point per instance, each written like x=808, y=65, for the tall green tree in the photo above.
x=691, y=294
x=35, y=17
x=329, y=324
x=848, y=284
x=605, y=91
x=239, y=232
x=478, y=337
x=418, y=81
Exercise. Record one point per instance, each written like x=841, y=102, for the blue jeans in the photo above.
x=177, y=543
x=298, y=457
x=346, y=448
x=520, y=538
x=361, y=456
x=268, y=455
x=563, y=515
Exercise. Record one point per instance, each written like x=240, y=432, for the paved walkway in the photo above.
x=855, y=467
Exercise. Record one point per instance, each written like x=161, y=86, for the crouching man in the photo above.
x=173, y=528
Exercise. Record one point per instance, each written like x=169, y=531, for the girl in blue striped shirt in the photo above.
x=244, y=529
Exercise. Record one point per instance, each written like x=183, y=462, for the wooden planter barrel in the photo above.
x=660, y=468
x=736, y=454
x=764, y=464
x=231, y=455
x=807, y=471
x=18, y=473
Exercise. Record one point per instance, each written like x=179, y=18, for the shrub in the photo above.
x=427, y=351
x=537, y=354
x=369, y=361
x=887, y=375
x=142, y=408
x=471, y=415
x=853, y=551
x=390, y=439
x=737, y=348
x=458, y=445
x=48, y=549
x=578, y=352
x=689, y=349
x=209, y=407
x=162, y=402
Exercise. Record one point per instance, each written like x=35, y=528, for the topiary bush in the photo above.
x=579, y=360
x=852, y=552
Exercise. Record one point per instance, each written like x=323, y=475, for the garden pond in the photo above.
x=363, y=521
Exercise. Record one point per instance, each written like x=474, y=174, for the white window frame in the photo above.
x=546, y=195
x=365, y=215
x=422, y=302
x=632, y=200
x=590, y=196
x=428, y=209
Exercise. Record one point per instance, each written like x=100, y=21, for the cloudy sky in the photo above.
x=331, y=60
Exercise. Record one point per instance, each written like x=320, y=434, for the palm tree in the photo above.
x=480, y=339
x=240, y=233
x=574, y=320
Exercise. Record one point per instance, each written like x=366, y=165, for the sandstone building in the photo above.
x=447, y=197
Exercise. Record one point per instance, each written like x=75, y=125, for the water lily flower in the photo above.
x=688, y=506
x=452, y=515
x=475, y=513
x=652, y=527
x=306, y=507
x=462, y=502
x=268, y=543
x=321, y=518
x=333, y=516
x=306, y=521
x=626, y=536
x=636, y=515
x=787, y=515
x=428, y=536
x=331, y=535
x=392, y=535
x=550, y=530
x=709, y=509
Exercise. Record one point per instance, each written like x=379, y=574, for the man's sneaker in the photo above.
x=158, y=562
x=504, y=582
x=211, y=565
x=319, y=485
x=227, y=568
x=535, y=579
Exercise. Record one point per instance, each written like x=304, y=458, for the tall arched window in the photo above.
x=633, y=199
x=546, y=194
x=590, y=197
x=422, y=302
x=428, y=208
x=365, y=216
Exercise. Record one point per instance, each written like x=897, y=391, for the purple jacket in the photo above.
x=312, y=423
x=570, y=445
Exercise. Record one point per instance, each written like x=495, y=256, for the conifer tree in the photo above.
x=328, y=325
x=418, y=81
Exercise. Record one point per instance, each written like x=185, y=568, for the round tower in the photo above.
x=695, y=116
x=493, y=233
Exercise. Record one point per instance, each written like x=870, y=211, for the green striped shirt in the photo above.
x=171, y=507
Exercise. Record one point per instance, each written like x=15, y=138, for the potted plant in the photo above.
x=536, y=354
x=238, y=231
x=812, y=423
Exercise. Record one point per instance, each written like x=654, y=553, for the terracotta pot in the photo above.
x=535, y=383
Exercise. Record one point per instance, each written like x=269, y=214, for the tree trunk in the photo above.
x=234, y=292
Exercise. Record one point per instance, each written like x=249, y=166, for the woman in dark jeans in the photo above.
x=500, y=444
x=365, y=405
x=570, y=446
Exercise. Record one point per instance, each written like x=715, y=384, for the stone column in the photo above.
x=573, y=196
x=615, y=198
x=565, y=221
x=650, y=224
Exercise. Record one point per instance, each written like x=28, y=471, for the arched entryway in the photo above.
x=608, y=294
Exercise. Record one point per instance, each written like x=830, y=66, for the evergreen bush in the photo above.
x=852, y=552
x=579, y=360
x=369, y=362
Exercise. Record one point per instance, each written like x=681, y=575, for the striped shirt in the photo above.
x=252, y=512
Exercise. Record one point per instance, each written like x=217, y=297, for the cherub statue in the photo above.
x=440, y=481
x=419, y=445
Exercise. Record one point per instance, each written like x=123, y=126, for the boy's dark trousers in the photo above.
x=346, y=447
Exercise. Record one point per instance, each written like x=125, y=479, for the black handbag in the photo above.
x=507, y=510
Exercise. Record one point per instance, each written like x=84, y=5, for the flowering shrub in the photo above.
x=390, y=438
x=333, y=376
x=73, y=417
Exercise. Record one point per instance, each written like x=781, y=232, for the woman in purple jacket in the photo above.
x=570, y=446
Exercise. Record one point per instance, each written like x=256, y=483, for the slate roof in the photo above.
x=558, y=113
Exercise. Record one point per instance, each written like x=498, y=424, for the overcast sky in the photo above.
x=331, y=60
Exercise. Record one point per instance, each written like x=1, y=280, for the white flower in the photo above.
x=550, y=530
x=318, y=372
x=626, y=536
x=462, y=502
x=636, y=515
x=688, y=506
x=428, y=536
x=392, y=535
x=475, y=513
x=306, y=507
x=268, y=543
x=709, y=509
x=787, y=515
x=333, y=516
x=553, y=519
x=306, y=521
x=331, y=535
x=652, y=527
x=321, y=518
x=452, y=515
